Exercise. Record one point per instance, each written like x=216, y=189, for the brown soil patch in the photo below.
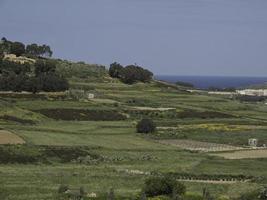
x=7, y=137
x=258, y=153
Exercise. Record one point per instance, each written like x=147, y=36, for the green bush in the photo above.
x=62, y=189
x=166, y=185
x=146, y=126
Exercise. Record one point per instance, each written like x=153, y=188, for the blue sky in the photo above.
x=178, y=37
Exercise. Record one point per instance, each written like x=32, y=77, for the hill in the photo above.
x=71, y=139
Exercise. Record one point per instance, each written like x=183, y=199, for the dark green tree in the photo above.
x=43, y=66
x=145, y=126
x=133, y=73
x=32, y=49
x=115, y=70
x=36, y=50
x=17, y=48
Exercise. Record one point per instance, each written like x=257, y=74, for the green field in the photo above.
x=116, y=156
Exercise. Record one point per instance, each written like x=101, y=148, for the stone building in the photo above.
x=252, y=142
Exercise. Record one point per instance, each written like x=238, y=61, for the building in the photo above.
x=253, y=92
x=252, y=142
x=80, y=94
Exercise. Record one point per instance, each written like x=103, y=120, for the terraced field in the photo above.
x=199, y=146
x=244, y=154
x=83, y=149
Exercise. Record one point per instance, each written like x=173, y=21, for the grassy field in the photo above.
x=106, y=151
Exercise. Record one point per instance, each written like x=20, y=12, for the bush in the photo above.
x=146, y=126
x=62, y=189
x=156, y=186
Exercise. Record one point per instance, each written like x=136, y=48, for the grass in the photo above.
x=122, y=149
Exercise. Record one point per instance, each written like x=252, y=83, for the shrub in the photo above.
x=146, y=126
x=62, y=189
x=166, y=185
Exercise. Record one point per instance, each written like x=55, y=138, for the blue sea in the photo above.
x=204, y=82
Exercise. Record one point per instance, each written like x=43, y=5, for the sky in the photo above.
x=173, y=37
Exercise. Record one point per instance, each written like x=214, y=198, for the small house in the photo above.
x=252, y=142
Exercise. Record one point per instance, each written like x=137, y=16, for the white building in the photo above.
x=252, y=142
x=253, y=92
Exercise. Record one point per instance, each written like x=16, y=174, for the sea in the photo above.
x=205, y=82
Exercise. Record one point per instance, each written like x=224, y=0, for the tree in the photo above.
x=46, y=51
x=43, y=66
x=32, y=49
x=17, y=48
x=166, y=185
x=52, y=82
x=35, y=50
x=133, y=73
x=5, y=46
x=145, y=126
x=115, y=70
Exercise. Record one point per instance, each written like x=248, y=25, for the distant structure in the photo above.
x=252, y=142
x=80, y=94
x=20, y=59
x=91, y=96
x=253, y=92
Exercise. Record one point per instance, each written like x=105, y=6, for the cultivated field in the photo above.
x=69, y=142
x=199, y=146
x=257, y=153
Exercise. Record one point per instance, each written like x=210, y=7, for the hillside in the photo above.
x=74, y=140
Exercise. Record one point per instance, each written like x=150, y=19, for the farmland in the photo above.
x=92, y=143
x=259, y=153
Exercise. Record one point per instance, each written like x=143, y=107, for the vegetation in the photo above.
x=41, y=76
x=80, y=147
x=19, y=49
x=82, y=115
x=156, y=186
x=145, y=126
x=246, y=98
x=130, y=74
